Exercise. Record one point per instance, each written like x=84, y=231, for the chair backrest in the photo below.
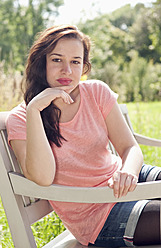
x=17, y=208
x=124, y=111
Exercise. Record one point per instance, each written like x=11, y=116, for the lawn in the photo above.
x=146, y=120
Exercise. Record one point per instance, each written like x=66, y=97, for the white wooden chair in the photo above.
x=16, y=193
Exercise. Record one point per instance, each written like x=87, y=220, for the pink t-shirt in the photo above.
x=83, y=160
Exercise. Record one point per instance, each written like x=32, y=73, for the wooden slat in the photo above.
x=144, y=140
x=15, y=213
x=67, y=240
x=38, y=210
x=123, y=109
x=23, y=186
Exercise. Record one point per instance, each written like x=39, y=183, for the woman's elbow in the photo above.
x=41, y=180
x=44, y=183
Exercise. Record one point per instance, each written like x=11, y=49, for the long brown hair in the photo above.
x=35, y=79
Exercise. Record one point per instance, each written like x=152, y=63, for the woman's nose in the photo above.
x=67, y=68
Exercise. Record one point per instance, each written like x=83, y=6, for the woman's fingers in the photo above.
x=66, y=97
x=127, y=185
x=123, y=183
x=43, y=99
x=134, y=183
x=116, y=184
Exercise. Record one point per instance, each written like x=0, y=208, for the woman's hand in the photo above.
x=43, y=99
x=122, y=182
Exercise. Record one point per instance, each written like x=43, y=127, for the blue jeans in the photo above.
x=119, y=228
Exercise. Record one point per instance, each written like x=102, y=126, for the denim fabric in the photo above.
x=113, y=230
x=148, y=173
x=118, y=229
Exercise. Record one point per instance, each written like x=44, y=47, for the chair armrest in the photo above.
x=23, y=186
x=144, y=140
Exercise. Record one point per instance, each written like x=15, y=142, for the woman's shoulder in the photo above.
x=93, y=83
x=95, y=86
x=18, y=112
x=16, y=123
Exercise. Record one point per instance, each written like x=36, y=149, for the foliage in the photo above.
x=126, y=44
x=142, y=80
x=126, y=51
x=44, y=230
x=155, y=29
x=125, y=16
x=18, y=26
x=142, y=116
x=10, y=85
x=47, y=229
x=5, y=236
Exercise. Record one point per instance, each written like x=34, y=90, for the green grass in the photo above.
x=47, y=229
x=146, y=120
x=44, y=230
x=5, y=236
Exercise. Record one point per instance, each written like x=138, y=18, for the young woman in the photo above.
x=60, y=134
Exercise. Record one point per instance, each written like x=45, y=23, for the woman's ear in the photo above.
x=86, y=68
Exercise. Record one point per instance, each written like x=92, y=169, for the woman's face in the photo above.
x=64, y=65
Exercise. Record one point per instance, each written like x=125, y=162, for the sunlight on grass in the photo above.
x=47, y=229
x=5, y=236
x=146, y=120
x=44, y=230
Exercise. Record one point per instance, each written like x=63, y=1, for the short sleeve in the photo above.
x=16, y=123
x=105, y=97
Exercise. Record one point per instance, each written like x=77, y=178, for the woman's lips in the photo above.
x=64, y=81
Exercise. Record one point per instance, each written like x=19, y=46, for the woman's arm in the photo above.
x=125, y=179
x=35, y=154
x=40, y=161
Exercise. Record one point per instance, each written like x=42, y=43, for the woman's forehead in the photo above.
x=68, y=45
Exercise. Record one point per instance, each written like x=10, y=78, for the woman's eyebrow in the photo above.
x=58, y=54
x=77, y=57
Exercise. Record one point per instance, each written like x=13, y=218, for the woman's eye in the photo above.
x=75, y=62
x=56, y=60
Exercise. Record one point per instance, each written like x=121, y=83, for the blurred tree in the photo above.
x=140, y=31
x=125, y=16
x=126, y=44
x=146, y=31
x=109, y=44
x=19, y=25
x=133, y=75
x=141, y=80
x=155, y=29
x=126, y=51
